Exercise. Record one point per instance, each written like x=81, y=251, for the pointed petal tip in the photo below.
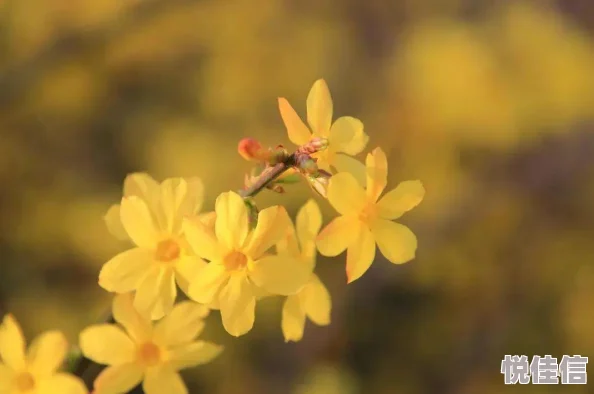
x=350, y=277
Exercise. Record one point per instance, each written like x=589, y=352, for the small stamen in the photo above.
x=149, y=354
x=235, y=261
x=168, y=250
x=25, y=382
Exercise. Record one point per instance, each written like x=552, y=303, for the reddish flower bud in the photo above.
x=251, y=150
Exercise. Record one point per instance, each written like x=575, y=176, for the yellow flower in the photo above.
x=147, y=353
x=345, y=136
x=151, y=215
x=313, y=300
x=239, y=265
x=36, y=371
x=365, y=220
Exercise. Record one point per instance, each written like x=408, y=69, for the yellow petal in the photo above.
x=403, y=198
x=182, y=325
x=47, y=352
x=107, y=344
x=323, y=164
x=377, y=173
x=342, y=132
x=272, y=224
x=345, y=194
x=308, y=223
x=194, y=354
x=7, y=376
x=142, y=185
x=180, y=198
x=293, y=319
x=337, y=236
x=316, y=301
x=156, y=293
x=288, y=243
x=207, y=283
x=208, y=219
x=62, y=383
x=202, y=239
x=344, y=163
x=114, y=223
x=359, y=138
x=280, y=274
x=231, y=225
x=319, y=108
x=118, y=378
x=138, y=327
x=360, y=254
x=186, y=269
x=396, y=242
x=12, y=343
x=163, y=380
x=124, y=272
x=173, y=192
x=238, y=305
x=136, y=219
x=194, y=198
x=298, y=132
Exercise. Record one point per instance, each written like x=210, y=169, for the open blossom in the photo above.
x=239, y=264
x=366, y=221
x=345, y=136
x=151, y=215
x=34, y=372
x=147, y=353
x=313, y=300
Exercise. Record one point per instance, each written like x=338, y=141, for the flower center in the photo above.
x=25, y=382
x=149, y=354
x=235, y=261
x=368, y=213
x=167, y=250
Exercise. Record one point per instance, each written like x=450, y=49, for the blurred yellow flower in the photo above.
x=151, y=215
x=313, y=300
x=365, y=220
x=345, y=136
x=239, y=264
x=145, y=353
x=35, y=372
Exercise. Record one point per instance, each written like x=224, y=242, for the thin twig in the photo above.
x=267, y=176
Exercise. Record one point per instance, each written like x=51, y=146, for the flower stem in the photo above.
x=271, y=173
x=267, y=176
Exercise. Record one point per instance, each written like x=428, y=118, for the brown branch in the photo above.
x=267, y=176
x=301, y=155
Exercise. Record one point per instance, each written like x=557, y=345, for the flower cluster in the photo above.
x=226, y=259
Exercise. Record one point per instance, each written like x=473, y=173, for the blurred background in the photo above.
x=489, y=103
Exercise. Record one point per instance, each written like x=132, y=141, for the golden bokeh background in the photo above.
x=490, y=104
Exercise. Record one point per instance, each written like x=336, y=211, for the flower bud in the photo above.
x=306, y=164
x=251, y=150
x=277, y=155
x=315, y=145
